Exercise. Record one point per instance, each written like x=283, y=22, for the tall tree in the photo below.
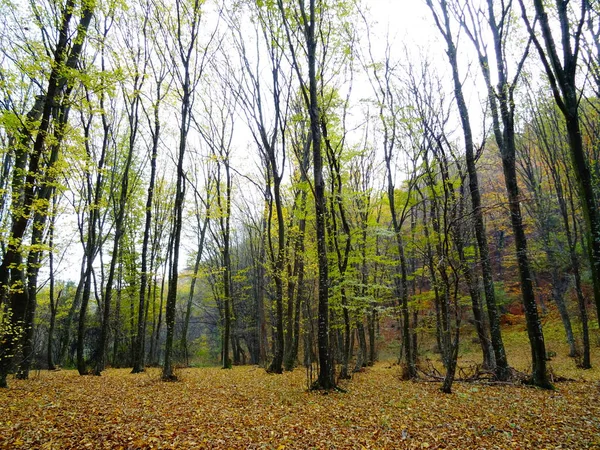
x=202, y=216
x=138, y=56
x=390, y=106
x=161, y=79
x=502, y=108
x=94, y=189
x=50, y=113
x=310, y=18
x=562, y=72
x=265, y=103
x=188, y=60
x=52, y=291
x=362, y=170
x=541, y=208
x=340, y=234
x=443, y=23
x=426, y=93
x=547, y=130
x=217, y=131
x=297, y=289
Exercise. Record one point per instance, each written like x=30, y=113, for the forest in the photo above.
x=307, y=192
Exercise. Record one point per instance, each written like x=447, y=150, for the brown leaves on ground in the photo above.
x=247, y=408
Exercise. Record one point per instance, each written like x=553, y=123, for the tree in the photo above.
x=161, y=77
x=426, y=94
x=541, y=208
x=161, y=250
x=361, y=180
x=217, y=130
x=265, y=103
x=502, y=107
x=308, y=17
x=547, y=130
x=202, y=217
x=390, y=110
x=188, y=62
x=335, y=130
x=138, y=55
x=562, y=72
x=299, y=139
x=94, y=191
x=442, y=20
x=53, y=298
x=37, y=154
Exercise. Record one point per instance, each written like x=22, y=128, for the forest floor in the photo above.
x=247, y=408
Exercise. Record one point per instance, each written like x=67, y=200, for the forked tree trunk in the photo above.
x=563, y=76
x=502, y=109
x=502, y=371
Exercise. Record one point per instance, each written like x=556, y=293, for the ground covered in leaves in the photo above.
x=247, y=408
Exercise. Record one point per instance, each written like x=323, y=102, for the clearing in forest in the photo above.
x=248, y=408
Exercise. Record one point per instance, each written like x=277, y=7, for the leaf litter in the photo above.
x=247, y=408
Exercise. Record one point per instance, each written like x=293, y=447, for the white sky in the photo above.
x=410, y=19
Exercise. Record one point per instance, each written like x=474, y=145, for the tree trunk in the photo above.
x=562, y=75
x=260, y=298
x=502, y=109
x=502, y=371
x=45, y=194
x=451, y=369
x=155, y=356
x=53, y=309
x=94, y=192
x=559, y=287
x=325, y=379
x=361, y=355
x=298, y=270
x=372, y=325
x=167, y=371
x=188, y=310
x=187, y=49
x=277, y=265
x=100, y=353
x=138, y=360
x=484, y=341
x=117, y=319
x=65, y=339
x=534, y=327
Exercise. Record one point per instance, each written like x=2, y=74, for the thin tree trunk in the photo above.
x=185, y=53
x=298, y=270
x=52, y=295
x=65, y=340
x=138, y=360
x=188, y=310
x=260, y=298
x=362, y=346
x=502, y=109
x=95, y=193
x=167, y=371
x=502, y=371
x=100, y=353
x=277, y=263
x=45, y=194
x=326, y=373
x=562, y=75
x=478, y=316
x=117, y=318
